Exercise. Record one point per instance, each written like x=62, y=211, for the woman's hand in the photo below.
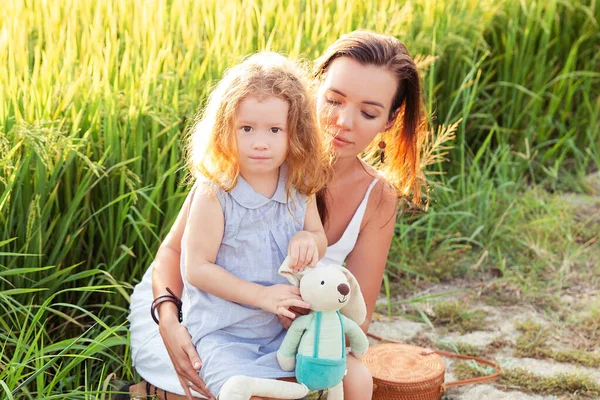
x=183, y=355
x=278, y=299
x=303, y=251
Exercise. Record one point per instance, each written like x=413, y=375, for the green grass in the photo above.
x=578, y=385
x=95, y=98
x=455, y=316
x=534, y=342
x=587, y=326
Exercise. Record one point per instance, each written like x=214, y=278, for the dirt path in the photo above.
x=497, y=342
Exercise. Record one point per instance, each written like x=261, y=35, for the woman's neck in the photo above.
x=345, y=168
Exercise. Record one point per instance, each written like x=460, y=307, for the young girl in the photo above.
x=258, y=158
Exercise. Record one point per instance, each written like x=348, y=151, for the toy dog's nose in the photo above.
x=343, y=289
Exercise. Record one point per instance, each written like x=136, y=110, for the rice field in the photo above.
x=95, y=97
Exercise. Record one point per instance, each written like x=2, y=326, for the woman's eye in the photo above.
x=275, y=130
x=368, y=116
x=246, y=129
x=332, y=102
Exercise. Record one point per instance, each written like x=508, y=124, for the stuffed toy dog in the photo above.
x=315, y=344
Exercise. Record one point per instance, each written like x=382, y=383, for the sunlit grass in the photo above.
x=95, y=97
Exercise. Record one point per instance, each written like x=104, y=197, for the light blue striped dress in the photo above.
x=234, y=339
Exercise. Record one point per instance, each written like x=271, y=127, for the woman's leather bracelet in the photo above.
x=164, y=298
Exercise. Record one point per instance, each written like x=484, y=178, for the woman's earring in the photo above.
x=382, y=151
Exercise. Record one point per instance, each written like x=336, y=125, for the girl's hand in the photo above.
x=278, y=299
x=184, y=357
x=303, y=251
x=287, y=321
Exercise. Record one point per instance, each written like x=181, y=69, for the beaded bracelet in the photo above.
x=166, y=297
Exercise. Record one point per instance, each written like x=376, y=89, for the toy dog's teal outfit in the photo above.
x=319, y=373
x=318, y=341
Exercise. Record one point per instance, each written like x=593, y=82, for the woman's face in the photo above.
x=353, y=104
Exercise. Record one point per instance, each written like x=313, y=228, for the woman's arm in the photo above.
x=166, y=273
x=368, y=259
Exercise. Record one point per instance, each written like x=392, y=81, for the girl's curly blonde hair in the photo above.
x=212, y=146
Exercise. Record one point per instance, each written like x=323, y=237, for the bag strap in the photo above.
x=462, y=382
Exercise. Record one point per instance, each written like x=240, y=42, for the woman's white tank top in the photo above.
x=337, y=252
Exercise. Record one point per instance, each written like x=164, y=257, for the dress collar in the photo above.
x=247, y=197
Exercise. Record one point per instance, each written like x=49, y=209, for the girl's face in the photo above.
x=262, y=136
x=353, y=103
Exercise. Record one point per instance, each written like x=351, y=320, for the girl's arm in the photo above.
x=368, y=259
x=204, y=235
x=313, y=224
x=308, y=246
x=206, y=225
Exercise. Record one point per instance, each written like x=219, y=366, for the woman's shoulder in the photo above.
x=382, y=187
x=383, y=199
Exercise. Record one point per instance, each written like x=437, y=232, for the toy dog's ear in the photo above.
x=286, y=272
x=356, y=309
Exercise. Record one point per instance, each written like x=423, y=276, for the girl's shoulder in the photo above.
x=205, y=191
x=205, y=188
x=202, y=201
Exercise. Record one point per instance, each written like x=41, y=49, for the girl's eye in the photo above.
x=368, y=116
x=246, y=129
x=275, y=130
x=332, y=101
x=322, y=282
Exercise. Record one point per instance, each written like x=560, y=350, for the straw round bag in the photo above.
x=406, y=372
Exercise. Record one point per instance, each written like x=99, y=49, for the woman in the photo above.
x=369, y=102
